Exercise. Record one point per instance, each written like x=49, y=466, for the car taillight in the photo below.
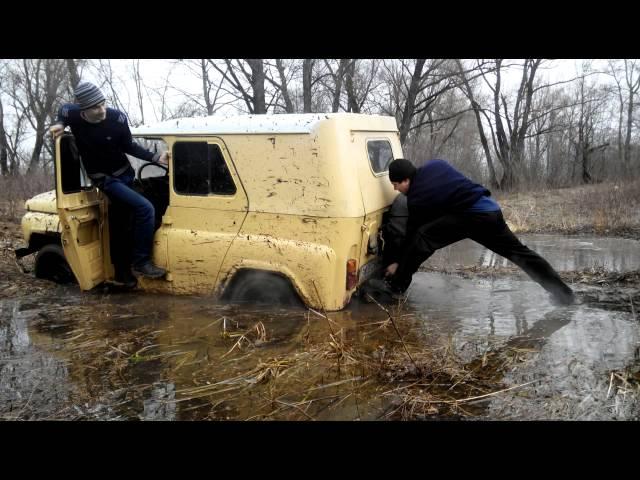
x=352, y=273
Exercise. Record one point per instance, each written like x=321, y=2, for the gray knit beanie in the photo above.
x=88, y=95
x=400, y=169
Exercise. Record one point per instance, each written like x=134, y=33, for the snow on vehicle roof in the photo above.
x=267, y=123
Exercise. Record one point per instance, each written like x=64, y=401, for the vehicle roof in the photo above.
x=262, y=124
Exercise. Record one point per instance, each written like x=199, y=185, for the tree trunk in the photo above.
x=257, y=84
x=627, y=141
x=137, y=80
x=587, y=166
x=409, y=106
x=620, y=121
x=307, y=69
x=4, y=149
x=518, y=158
x=483, y=138
x=352, y=101
x=508, y=180
x=37, y=149
x=72, y=68
x=4, y=166
x=205, y=86
x=586, y=173
x=283, y=86
x=630, y=67
x=339, y=75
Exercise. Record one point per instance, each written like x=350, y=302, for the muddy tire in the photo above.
x=262, y=288
x=52, y=265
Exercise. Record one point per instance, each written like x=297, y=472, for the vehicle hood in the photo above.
x=43, y=202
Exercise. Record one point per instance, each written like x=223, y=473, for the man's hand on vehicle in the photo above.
x=164, y=158
x=391, y=269
x=56, y=130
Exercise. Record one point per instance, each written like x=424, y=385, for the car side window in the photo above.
x=200, y=169
x=155, y=145
x=380, y=155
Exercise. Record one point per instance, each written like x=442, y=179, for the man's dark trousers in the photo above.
x=128, y=206
x=488, y=229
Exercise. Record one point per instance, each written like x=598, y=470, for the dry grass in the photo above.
x=14, y=191
x=625, y=382
x=603, y=209
x=411, y=379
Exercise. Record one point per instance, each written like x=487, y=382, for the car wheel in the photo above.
x=51, y=264
x=261, y=288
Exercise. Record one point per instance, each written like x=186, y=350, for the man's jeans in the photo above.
x=127, y=203
x=488, y=229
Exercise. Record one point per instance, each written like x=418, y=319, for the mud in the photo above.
x=488, y=344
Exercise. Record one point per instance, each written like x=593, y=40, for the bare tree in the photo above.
x=247, y=84
x=284, y=77
x=112, y=83
x=74, y=76
x=361, y=80
x=137, y=81
x=632, y=81
x=307, y=83
x=589, y=100
x=509, y=147
x=333, y=81
x=13, y=131
x=208, y=100
x=257, y=79
x=614, y=71
x=161, y=93
x=352, y=100
x=36, y=86
x=469, y=92
x=4, y=147
x=415, y=86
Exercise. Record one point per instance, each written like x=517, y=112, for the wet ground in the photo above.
x=473, y=347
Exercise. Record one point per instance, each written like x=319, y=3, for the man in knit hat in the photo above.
x=445, y=207
x=103, y=139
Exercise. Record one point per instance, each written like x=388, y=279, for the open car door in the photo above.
x=82, y=213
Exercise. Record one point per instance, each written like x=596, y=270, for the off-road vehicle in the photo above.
x=249, y=207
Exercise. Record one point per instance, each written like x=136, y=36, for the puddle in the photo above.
x=564, y=253
x=68, y=355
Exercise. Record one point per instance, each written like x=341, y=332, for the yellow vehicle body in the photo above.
x=308, y=201
x=41, y=216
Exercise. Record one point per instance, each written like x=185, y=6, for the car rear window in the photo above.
x=380, y=155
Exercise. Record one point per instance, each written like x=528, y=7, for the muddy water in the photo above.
x=107, y=356
x=563, y=252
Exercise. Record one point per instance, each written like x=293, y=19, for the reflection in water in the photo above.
x=161, y=405
x=32, y=379
x=564, y=253
x=572, y=367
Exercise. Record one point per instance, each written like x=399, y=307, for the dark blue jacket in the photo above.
x=103, y=145
x=438, y=189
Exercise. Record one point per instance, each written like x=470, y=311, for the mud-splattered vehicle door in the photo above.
x=83, y=220
x=207, y=207
x=380, y=149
